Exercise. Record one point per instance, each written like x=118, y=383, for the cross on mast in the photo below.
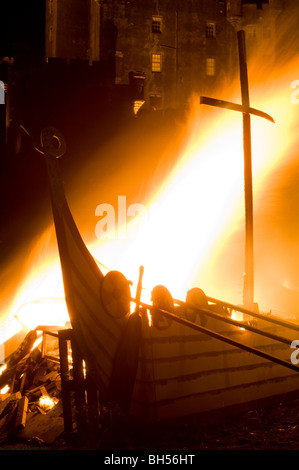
x=246, y=110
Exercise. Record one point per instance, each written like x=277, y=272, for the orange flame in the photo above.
x=199, y=210
x=46, y=403
x=193, y=220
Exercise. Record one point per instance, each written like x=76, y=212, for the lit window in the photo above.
x=157, y=24
x=156, y=62
x=210, y=30
x=210, y=67
x=137, y=105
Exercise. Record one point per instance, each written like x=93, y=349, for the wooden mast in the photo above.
x=248, y=296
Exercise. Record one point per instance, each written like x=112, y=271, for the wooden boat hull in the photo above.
x=183, y=372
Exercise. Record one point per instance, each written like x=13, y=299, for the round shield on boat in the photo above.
x=52, y=141
x=116, y=294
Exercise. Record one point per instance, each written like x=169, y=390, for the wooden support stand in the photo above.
x=80, y=398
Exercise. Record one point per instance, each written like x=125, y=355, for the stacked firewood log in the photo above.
x=31, y=408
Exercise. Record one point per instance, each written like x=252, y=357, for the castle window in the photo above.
x=252, y=32
x=258, y=3
x=267, y=32
x=210, y=66
x=157, y=24
x=156, y=101
x=156, y=62
x=210, y=30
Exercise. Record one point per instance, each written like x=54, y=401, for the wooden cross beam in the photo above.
x=246, y=110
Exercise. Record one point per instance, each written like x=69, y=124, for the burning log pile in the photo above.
x=31, y=409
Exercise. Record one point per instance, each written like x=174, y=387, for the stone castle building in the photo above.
x=96, y=57
x=166, y=48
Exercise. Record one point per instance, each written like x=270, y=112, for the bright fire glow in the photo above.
x=37, y=342
x=47, y=403
x=3, y=368
x=201, y=205
x=40, y=299
x=4, y=390
x=191, y=218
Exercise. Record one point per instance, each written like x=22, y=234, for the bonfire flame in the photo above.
x=193, y=220
x=46, y=403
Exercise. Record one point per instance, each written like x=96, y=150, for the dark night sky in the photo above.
x=22, y=28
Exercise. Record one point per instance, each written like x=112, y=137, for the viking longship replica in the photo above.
x=186, y=357
x=171, y=358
